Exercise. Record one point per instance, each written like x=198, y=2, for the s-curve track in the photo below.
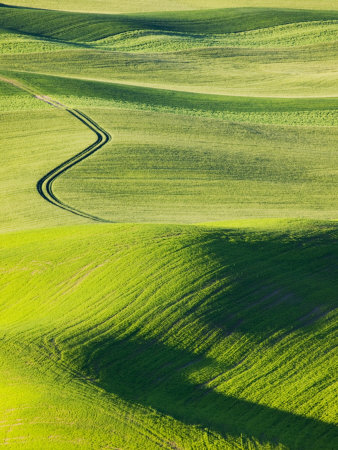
x=45, y=184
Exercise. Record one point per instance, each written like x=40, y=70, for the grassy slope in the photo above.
x=221, y=345
x=149, y=336
x=250, y=72
x=79, y=91
x=31, y=146
x=116, y=6
x=291, y=35
x=179, y=168
x=308, y=66
x=205, y=172
x=145, y=41
x=80, y=27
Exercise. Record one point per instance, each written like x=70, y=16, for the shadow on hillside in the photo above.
x=155, y=375
x=276, y=283
x=272, y=290
x=260, y=287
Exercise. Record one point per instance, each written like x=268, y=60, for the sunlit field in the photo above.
x=168, y=224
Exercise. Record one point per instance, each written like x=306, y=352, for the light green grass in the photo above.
x=301, y=72
x=84, y=93
x=298, y=34
x=34, y=139
x=203, y=170
x=228, y=329
x=293, y=35
x=116, y=6
x=288, y=72
x=279, y=53
x=15, y=43
x=80, y=27
x=144, y=336
x=162, y=167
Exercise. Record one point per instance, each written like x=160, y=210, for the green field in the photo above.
x=115, y=6
x=202, y=313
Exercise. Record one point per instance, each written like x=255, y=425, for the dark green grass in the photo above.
x=227, y=328
x=180, y=100
x=74, y=44
x=214, y=336
x=80, y=27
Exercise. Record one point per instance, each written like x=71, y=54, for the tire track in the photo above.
x=45, y=185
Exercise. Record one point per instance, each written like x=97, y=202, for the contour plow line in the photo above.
x=45, y=184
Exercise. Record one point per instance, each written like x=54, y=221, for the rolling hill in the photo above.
x=202, y=315
x=222, y=327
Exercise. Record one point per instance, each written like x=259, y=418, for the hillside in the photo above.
x=114, y=6
x=234, y=153
x=237, y=51
x=201, y=312
x=201, y=324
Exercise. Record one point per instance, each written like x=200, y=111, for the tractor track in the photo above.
x=45, y=185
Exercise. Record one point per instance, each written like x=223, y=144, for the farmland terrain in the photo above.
x=168, y=224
